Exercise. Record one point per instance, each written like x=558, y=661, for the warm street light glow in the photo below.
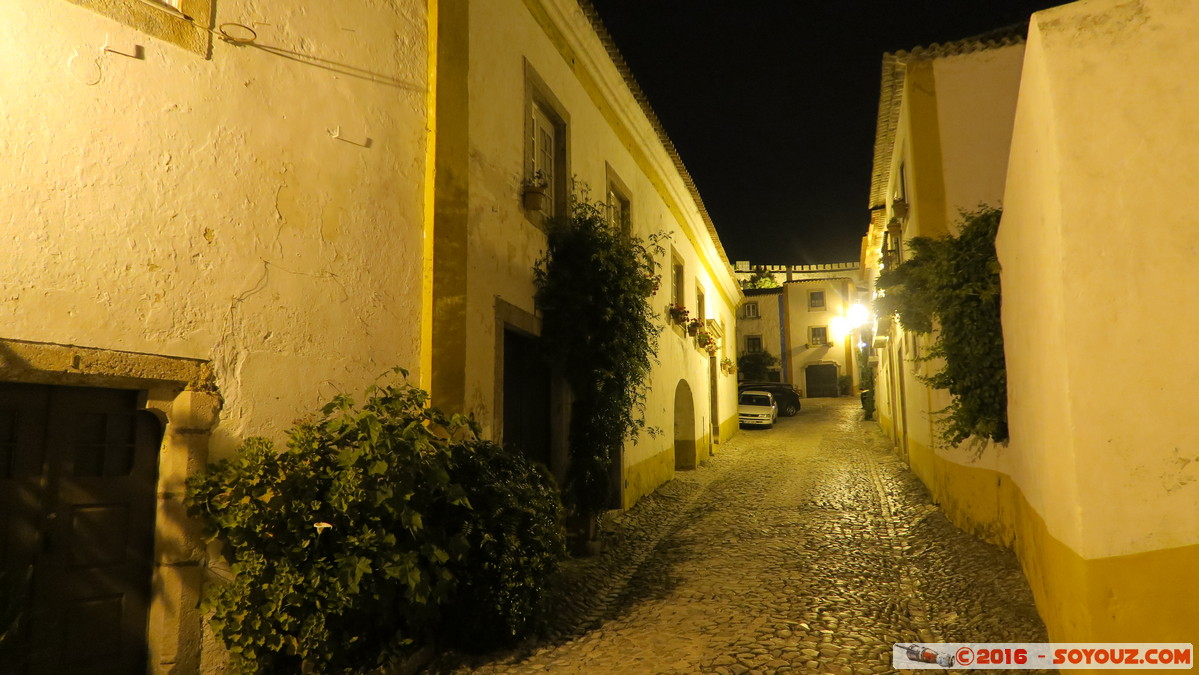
x=839, y=327
x=858, y=315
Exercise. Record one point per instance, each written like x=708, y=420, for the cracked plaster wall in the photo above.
x=201, y=208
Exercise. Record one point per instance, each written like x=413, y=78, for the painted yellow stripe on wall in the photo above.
x=1144, y=597
x=426, y=296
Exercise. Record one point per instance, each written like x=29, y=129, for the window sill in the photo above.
x=161, y=21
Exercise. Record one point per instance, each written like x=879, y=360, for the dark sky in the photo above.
x=772, y=104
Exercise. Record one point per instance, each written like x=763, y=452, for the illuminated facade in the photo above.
x=222, y=215
x=1097, y=488
x=809, y=323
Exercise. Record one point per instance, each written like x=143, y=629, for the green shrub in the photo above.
x=345, y=546
x=755, y=366
x=515, y=541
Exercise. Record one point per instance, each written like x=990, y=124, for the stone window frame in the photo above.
x=812, y=335
x=182, y=394
x=539, y=98
x=617, y=197
x=186, y=26
x=751, y=341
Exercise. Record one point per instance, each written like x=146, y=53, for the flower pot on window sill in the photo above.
x=533, y=198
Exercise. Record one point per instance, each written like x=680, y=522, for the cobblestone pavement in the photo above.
x=808, y=548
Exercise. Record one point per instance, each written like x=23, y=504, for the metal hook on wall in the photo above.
x=336, y=134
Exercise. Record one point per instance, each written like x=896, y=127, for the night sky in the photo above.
x=772, y=104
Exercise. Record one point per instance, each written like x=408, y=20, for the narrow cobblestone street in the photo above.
x=808, y=548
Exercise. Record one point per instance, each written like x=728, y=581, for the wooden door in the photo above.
x=78, y=506
x=526, y=398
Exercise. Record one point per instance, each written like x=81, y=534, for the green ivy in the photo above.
x=598, y=327
x=755, y=366
x=951, y=284
x=346, y=546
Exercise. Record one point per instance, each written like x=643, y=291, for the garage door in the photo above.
x=822, y=380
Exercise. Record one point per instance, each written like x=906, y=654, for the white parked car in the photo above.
x=757, y=408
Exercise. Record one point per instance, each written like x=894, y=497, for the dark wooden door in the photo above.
x=526, y=398
x=77, y=504
x=822, y=380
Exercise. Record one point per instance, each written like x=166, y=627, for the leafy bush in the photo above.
x=593, y=287
x=845, y=384
x=755, y=366
x=346, y=546
x=515, y=541
x=952, y=284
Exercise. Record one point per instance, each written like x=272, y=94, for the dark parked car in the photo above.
x=786, y=395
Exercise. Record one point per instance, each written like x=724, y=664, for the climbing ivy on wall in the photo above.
x=598, y=328
x=949, y=288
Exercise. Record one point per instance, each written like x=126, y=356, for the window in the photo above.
x=546, y=142
x=676, y=281
x=815, y=299
x=751, y=310
x=700, y=310
x=619, y=205
x=753, y=343
x=817, y=335
x=180, y=22
x=544, y=155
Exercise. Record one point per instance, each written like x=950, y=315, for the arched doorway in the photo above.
x=684, y=427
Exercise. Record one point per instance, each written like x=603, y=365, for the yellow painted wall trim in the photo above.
x=729, y=428
x=1144, y=597
x=629, y=140
x=646, y=476
x=426, y=297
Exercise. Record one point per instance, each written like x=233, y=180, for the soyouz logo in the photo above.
x=1031, y=656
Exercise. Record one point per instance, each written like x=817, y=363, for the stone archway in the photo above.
x=684, y=427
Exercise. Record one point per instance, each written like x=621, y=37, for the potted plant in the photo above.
x=694, y=326
x=727, y=366
x=534, y=190
x=677, y=313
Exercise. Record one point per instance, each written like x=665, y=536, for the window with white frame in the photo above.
x=543, y=159
x=547, y=143
x=751, y=310
x=620, y=206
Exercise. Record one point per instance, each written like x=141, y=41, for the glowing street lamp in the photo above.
x=858, y=315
